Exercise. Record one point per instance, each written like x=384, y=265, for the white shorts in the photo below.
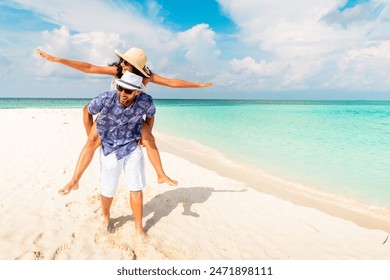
x=110, y=170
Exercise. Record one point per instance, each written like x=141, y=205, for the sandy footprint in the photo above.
x=113, y=242
x=59, y=252
x=45, y=245
x=27, y=255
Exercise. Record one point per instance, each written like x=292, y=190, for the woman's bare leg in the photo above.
x=85, y=158
x=154, y=156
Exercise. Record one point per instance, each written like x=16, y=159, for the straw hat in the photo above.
x=135, y=57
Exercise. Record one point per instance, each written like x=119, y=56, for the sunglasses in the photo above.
x=127, y=91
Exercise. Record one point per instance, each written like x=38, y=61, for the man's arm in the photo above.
x=87, y=119
x=95, y=107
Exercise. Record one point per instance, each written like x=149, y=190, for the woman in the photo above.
x=134, y=60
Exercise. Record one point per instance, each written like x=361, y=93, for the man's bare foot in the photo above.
x=108, y=225
x=106, y=220
x=68, y=188
x=143, y=235
x=166, y=179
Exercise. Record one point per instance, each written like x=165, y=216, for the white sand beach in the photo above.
x=220, y=210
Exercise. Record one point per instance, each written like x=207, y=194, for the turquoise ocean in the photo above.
x=340, y=147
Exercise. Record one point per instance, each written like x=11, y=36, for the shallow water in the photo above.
x=340, y=147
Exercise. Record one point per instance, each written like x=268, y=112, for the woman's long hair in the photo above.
x=119, y=69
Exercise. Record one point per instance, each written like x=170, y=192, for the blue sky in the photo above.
x=256, y=49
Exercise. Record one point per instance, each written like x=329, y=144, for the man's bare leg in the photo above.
x=136, y=204
x=154, y=156
x=85, y=158
x=106, y=205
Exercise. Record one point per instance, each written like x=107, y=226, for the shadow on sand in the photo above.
x=163, y=204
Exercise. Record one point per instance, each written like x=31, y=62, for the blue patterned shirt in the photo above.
x=120, y=127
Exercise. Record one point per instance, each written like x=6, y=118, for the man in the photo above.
x=119, y=126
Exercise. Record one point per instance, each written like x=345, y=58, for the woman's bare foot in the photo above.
x=166, y=179
x=71, y=186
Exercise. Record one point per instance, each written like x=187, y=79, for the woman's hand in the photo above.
x=205, y=84
x=45, y=55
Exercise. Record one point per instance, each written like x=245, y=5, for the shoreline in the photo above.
x=368, y=216
x=231, y=213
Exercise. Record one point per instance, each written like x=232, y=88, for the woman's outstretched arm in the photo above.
x=175, y=83
x=79, y=65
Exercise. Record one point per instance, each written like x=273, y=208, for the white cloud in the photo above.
x=313, y=44
x=365, y=67
x=123, y=18
x=262, y=69
x=201, y=47
x=5, y=65
x=361, y=13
